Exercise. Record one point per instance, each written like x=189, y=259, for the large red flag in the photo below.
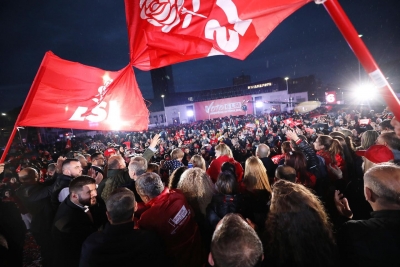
x=164, y=32
x=68, y=94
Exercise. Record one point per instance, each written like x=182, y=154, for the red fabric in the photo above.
x=68, y=145
x=67, y=94
x=215, y=168
x=162, y=33
x=170, y=216
x=328, y=161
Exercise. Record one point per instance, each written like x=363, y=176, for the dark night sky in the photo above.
x=94, y=33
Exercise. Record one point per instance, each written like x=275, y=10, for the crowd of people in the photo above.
x=288, y=189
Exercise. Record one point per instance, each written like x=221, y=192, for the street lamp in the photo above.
x=165, y=112
x=287, y=90
x=3, y=114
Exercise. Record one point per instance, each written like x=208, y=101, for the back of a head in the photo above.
x=228, y=166
x=28, y=175
x=295, y=212
x=235, y=243
x=384, y=180
x=255, y=175
x=368, y=138
x=149, y=184
x=198, y=161
x=177, y=153
x=120, y=205
x=141, y=160
x=227, y=183
x=286, y=173
x=224, y=150
x=67, y=162
x=391, y=140
x=116, y=162
x=385, y=125
x=175, y=177
x=51, y=167
x=262, y=151
x=138, y=167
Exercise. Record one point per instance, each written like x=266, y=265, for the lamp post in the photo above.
x=287, y=91
x=165, y=112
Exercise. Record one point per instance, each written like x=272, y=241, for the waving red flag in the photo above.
x=164, y=32
x=67, y=94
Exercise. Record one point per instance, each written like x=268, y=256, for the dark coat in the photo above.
x=372, y=242
x=221, y=205
x=61, y=182
x=270, y=167
x=71, y=227
x=121, y=245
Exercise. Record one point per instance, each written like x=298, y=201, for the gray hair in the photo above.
x=120, y=205
x=149, y=184
x=138, y=167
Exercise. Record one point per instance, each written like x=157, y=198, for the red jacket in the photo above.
x=171, y=218
x=339, y=162
x=215, y=168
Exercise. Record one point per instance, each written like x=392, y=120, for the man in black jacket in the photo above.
x=75, y=220
x=262, y=152
x=376, y=241
x=35, y=197
x=119, y=244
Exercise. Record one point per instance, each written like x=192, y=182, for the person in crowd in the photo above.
x=385, y=127
x=35, y=198
x=175, y=177
x=198, y=162
x=71, y=168
x=175, y=162
x=262, y=152
x=374, y=155
x=137, y=166
x=297, y=160
x=375, y=241
x=256, y=190
x=84, y=163
x=286, y=173
x=117, y=175
x=171, y=217
x=297, y=230
x=153, y=167
x=51, y=172
x=98, y=161
x=74, y=221
x=119, y=244
x=368, y=138
x=390, y=140
x=223, y=154
x=226, y=200
x=235, y=244
x=396, y=126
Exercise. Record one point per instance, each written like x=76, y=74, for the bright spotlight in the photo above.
x=259, y=104
x=189, y=113
x=365, y=91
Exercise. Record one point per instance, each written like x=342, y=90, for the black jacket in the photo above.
x=221, y=205
x=121, y=245
x=62, y=182
x=372, y=242
x=71, y=227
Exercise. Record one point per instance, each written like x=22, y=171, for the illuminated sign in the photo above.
x=259, y=85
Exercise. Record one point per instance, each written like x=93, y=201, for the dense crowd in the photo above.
x=285, y=189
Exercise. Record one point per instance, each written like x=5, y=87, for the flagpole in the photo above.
x=28, y=102
x=363, y=55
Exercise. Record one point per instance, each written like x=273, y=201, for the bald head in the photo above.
x=116, y=162
x=262, y=151
x=285, y=172
x=382, y=186
x=28, y=175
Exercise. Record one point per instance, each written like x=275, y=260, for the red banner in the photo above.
x=164, y=32
x=218, y=108
x=67, y=94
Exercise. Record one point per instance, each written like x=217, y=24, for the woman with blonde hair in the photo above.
x=368, y=138
x=198, y=189
x=198, y=162
x=223, y=154
x=256, y=191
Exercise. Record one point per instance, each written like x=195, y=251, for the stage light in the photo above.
x=259, y=104
x=365, y=91
x=189, y=113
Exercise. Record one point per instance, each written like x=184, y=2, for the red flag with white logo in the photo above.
x=68, y=94
x=164, y=32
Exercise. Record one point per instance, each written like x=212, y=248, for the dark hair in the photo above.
x=391, y=139
x=227, y=183
x=120, y=205
x=285, y=172
x=332, y=146
x=235, y=243
x=175, y=177
x=297, y=222
x=95, y=155
x=230, y=167
x=298, y=161
x=386, y=125
x=79, y=182
x=149, y=184
x=68, y=161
